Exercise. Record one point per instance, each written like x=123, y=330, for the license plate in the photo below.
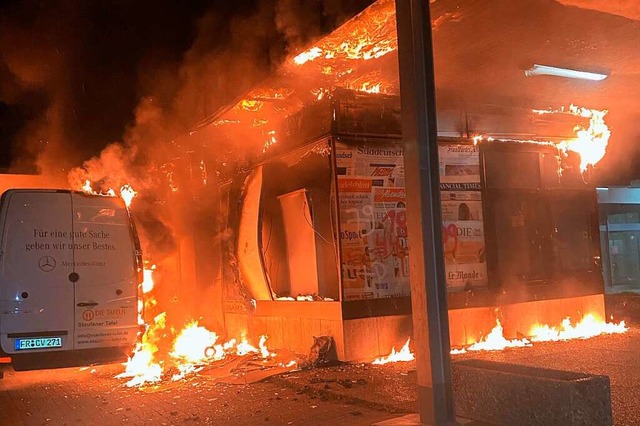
x=38, y=343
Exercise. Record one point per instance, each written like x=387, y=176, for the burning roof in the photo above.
x=481, y=52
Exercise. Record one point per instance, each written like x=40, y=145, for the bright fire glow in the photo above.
x=271, y=140
x=147, y=283
x=404, y=355
x=589, y=326
x=192, y=342
x=193, y=348
x=308, y=55
x=252, y=105
x=141, y=367
x=370, y=87
x=495, y=341
x=591, y=142
x=264, y=352
x=127, y=193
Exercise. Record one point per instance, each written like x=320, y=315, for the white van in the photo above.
x=70, y=273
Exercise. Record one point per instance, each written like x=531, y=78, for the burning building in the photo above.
x=309, y=180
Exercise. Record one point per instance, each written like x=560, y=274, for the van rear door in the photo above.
x=105, y=276
x=36, y=296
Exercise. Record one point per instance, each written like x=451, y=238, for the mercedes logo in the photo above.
x=47, y=263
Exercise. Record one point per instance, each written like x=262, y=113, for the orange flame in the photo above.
x=191, y=343
x=591, y=142
x=271, y=140
x=252, y=105
x=370, y=87
x=193, y=349
x=308, y=55
x=495, y=341
x=140, y=367
x=126, y=192
x=147, y=283
x=589, y=326
x=403, y=355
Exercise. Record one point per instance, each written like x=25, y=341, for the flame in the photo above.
x=127, y=193
x=309, y=55
x=252, y=105
x=264, y=352
x=403, y=355
x=141, y=367
x=591, y=142
x=370, y=87
x=147, y=283
x=320, y=93
x=192, y=342
x=495, y=341
x=271, y=140
x=244, y=348
x=589, y=326
x=193, y=348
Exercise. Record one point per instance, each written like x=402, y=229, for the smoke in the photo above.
x=174, y=173
x=35, y=47
x=627, y=8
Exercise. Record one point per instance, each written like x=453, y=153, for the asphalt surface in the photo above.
x=354, y=394
x=91, y=396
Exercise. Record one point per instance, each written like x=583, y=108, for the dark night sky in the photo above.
x=73, y=72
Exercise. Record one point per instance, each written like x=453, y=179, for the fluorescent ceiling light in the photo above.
x=563, y=72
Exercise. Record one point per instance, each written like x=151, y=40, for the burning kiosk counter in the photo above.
x=317, y=208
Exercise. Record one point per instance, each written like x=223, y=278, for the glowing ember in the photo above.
x=320, y=93
x=403, y=355
x=252, y=105
x=370, y=87
x=589, y=326
x=271, y=140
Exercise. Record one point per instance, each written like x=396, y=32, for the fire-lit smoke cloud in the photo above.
x=627, y=8
x=36, y=52
x=174, y=173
